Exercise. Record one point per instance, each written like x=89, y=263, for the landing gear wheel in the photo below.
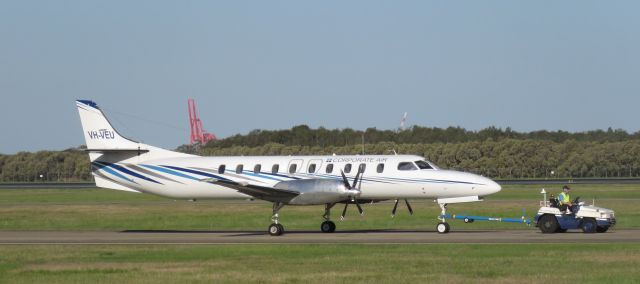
x=467, y=220
x=602, y=229
x=328, y=227
x=443, y=228
x=589, y=225
x=276, y=229
x=548, y=224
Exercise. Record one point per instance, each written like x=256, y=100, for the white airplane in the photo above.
x=122, y=164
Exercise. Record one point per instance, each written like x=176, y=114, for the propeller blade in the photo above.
x=344, y=211
x=395, y=206
x=345, y=180
x=409, y=206
x=359, y=208
x=355, y=181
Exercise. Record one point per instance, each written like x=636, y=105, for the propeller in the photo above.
x=354, y=189
x=395, y=207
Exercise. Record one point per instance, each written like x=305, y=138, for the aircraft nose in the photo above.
x=490, y=186
x=494, y=187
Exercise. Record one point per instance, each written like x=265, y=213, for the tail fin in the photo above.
x=105, y=143
x=99, y=134
x=106, y=146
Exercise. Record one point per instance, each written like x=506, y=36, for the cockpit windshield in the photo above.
x=413, y=166
x=406, y=166
x=424, y=165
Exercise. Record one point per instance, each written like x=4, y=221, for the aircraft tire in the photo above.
x=443, y=227
x=276, y=229
x=328, y=227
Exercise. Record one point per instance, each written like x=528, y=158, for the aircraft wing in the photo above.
x=259, y=192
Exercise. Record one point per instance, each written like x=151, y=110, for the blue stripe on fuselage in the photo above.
x=168, y=171
x=127, y=171
x=197, y=172
x=111, y=171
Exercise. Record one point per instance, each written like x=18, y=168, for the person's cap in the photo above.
x=566, y=187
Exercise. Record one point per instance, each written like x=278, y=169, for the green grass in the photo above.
x=101, y=209
x=459, y=263
x=98, y=209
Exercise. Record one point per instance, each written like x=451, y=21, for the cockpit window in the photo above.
x=406, y=166
x=423, y=165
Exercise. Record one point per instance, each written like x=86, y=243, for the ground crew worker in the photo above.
x=565, y=200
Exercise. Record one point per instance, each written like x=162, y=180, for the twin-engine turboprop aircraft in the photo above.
x=122, y=164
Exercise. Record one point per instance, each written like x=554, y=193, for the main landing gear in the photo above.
x=276, y=229
x=328, y=226
x=443, y=226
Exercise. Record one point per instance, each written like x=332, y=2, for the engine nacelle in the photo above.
x=317, y=191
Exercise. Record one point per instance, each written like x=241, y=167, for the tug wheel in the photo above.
x=589, y=225
x=548, y=224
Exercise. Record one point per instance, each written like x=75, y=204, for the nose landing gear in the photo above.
x=443, y=227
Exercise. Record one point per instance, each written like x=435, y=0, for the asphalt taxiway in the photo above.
x=313, y=237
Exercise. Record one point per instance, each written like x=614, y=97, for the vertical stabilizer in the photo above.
x=99, y=134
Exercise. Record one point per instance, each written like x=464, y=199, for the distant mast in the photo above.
x=403, y=121
x=198, y=134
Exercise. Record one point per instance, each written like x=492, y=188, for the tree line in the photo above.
x=303, y=135
x=508, y=158
x=46, y=166
x=492, y=152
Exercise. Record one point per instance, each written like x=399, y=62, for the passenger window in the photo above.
x=423, y=165
x=293, y=168
x=329, y=168
x=347, y=168
x=407, y=166
x=362, y=167
x=312, y=168
x=257, y=168
x=221, y=169
x=239, y=169
x=275, y=169
x=380, y=168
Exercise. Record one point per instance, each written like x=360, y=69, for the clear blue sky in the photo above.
x=570, y=65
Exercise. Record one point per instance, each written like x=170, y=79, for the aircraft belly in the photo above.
x=196, y=191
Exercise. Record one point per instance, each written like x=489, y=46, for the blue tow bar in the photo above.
x=470, y=219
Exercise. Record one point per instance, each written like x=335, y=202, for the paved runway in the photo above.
x=312, y=237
